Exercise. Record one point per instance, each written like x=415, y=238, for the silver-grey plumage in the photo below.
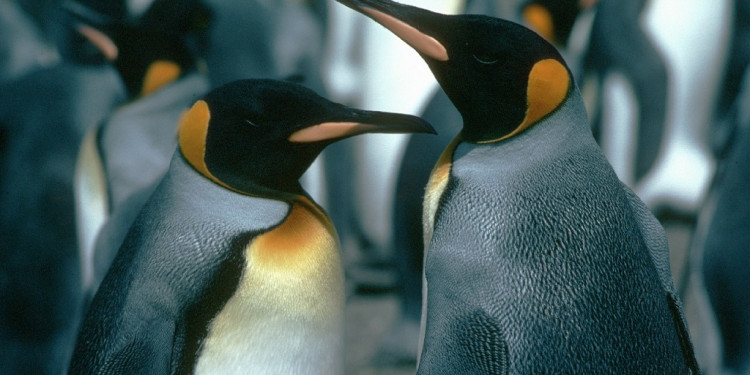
x=184, y=252
x=542, y=260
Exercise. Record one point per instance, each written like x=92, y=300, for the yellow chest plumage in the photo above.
x=287, y=313
x=435, y=188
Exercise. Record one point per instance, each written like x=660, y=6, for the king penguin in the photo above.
x=123, y=157
x=231, y=268
x=538, y=260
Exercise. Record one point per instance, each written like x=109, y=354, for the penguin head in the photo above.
x=150, y=43
x=501, y=76
x=261, y=135
x=554, y=19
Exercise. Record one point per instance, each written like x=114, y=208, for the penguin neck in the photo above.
x=491, y=123
x=288, y=191
x=487, y=114
x=565, y=129
x=281, y=181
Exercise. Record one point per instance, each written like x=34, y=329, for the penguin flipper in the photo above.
x=656, y=242
x=112, y=234
x=655, y=238
x=91, y=201
x=475, y=344
x=147, y=355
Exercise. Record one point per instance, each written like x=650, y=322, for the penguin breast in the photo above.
x=287, y=312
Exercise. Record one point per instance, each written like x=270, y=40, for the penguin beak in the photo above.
x=404, y=21
x=84, y=18
x=361, y=122
x=99, y=39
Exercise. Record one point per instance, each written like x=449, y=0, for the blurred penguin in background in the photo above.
x=630, y=74
x=722, y=243
x=266, y=39
x=659, y=66
x=564, y=23
x=23, y=45
x=553, y=20
x=43, y=116
x=156, y=49
x=720, y=249
x=733, y=83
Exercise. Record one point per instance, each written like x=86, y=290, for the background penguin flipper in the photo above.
x=91, y=200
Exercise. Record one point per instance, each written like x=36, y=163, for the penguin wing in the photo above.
x=656, y=242
x=136, y=322
x=126, y=330
x=654, y=237
x=112, y=234
x=146, y=355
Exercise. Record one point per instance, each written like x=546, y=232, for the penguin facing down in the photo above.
x=538, y=259
x=231, y=268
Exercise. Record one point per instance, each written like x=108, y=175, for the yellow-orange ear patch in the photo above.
x=193, y=130
x=540, y=20
x=159, y=74
x=549, y=82
x=548, y=87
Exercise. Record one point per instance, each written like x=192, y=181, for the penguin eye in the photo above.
x=484, y=59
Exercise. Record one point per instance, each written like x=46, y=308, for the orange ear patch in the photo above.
x=193, y=130
x=540, y=20
x=549, y=82
x=159, y=74
x=420, y=41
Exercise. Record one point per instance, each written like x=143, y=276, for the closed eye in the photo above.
x=252, y=123
x=484, y=59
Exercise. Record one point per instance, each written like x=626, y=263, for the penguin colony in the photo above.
x=537, y=258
